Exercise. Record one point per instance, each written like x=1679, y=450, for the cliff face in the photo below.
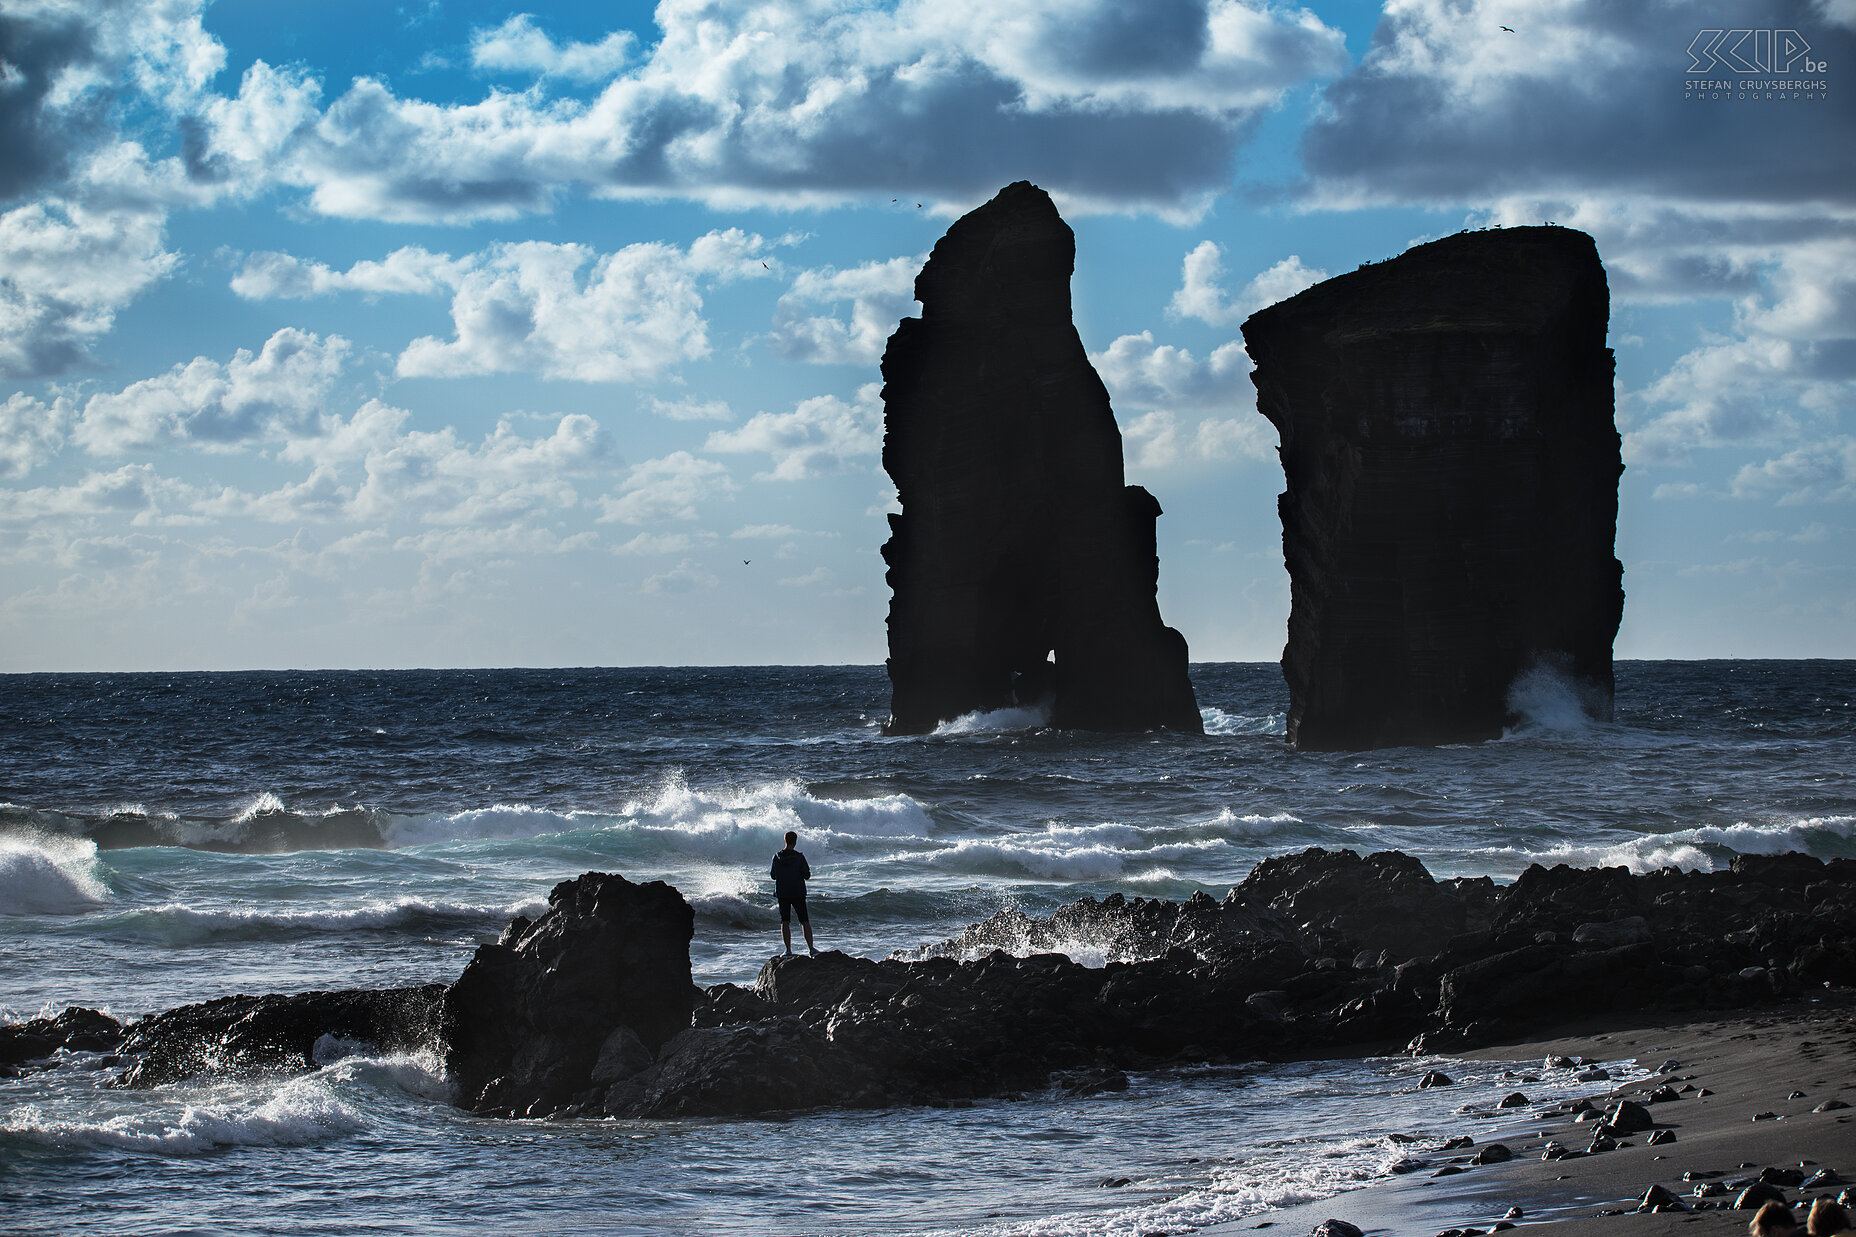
x=1452, y=468
x=1023, y=568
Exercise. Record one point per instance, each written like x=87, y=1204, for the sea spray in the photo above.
x=41, y=875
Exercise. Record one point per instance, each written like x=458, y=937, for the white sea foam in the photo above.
x=421, y=1073
x=1822, y=836
x=498, y=822
x=749, y=823
x=48, y=875
x=1547, y=697
x=1048, y=857
x=266, y=804
x=1253, y=824
x=997, y=721
x=300, y=1112
x=1217, y=721
x=177, y=918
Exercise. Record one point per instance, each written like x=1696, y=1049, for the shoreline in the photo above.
x=1752, y=1063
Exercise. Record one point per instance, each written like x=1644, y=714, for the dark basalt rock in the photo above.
x=76, y=1029
x=589, y=1008
x=1023, y=567
x=263, y=1034
x=601, y=980
x=1452, y=468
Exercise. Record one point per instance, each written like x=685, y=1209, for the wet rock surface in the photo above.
x=1452, y=469
x=596, y=984
x=76, y=1029
x=589, y=1009
x=1023, y=567
x=1316, y=949
x=264, y=1034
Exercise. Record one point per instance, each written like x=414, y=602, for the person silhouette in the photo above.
x=790, y=872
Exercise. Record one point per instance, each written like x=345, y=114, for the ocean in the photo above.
x=169, y=838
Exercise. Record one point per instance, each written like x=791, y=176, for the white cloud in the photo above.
x=506, y=477
x=1788, y=369
x=818, y=577
x=520, y=46
x=65, y=271
x=1810, y=534
x=31, y=432
x=811, y=101
x=268, y=275
x=135, y=491
x=665, y=543
x=370, y=468
x=634, y=315
x=1201, y=294
x=1142, y=374
x=691, y=409
x=686, y=577
x=1447, y=107
x=667, y=489
x=772, y=532
x=374, y=426
x=881, y=295
x=484, y=546
x=820, y=436
x=270, y=395
x=1820, y=472
x=85, y=236
x=1156, y=440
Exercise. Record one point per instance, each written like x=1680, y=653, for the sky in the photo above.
x=445, y=333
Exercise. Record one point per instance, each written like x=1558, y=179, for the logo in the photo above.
x=1752, y=51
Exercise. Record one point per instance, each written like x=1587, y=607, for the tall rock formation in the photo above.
x=1023, y=568
x=1452, y=467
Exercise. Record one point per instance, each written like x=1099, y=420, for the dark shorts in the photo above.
x=793, y=906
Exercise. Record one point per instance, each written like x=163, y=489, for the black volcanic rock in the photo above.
x=1023, y=567
x=77, y=1029
x=595, y=986
x=1452, y=468
x=277, y=1033
x=588, y=1009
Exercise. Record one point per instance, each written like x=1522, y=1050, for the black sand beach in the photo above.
x=1789, y=1063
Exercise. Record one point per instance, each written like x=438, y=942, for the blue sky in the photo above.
x=467, y=334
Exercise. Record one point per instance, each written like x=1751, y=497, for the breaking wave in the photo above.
x=50, y=876
x=997, y=721
x=1217, y=721
x=1703, y=848
x=178, y=923
x=298, y=1112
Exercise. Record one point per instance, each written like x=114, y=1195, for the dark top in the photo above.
x=790, y=873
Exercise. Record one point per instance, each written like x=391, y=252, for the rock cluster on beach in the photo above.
x=1023, y=568
x=589, y=1009
x=1452, y=474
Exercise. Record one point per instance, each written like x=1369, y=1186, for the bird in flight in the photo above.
x=746, y=561
x=1509, y=29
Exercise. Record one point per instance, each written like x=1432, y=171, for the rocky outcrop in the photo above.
x=76, y=1029
x=1319, y=949
x=588, y=1010
x=561, y=1008
x=1023, y=568
x=290, y=1033
x=1452, y=467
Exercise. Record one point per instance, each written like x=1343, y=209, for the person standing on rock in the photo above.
x=790, y=873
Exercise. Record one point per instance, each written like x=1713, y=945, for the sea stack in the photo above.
x=1452, y=467
x=1023, y=568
